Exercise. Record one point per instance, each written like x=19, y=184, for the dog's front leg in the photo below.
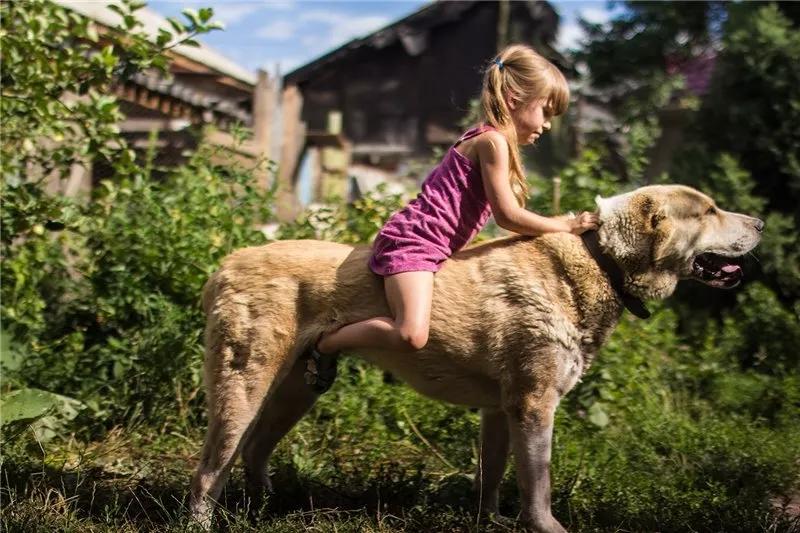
x=492, y=460
x=530, y=418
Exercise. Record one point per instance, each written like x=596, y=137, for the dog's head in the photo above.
x=661, y=234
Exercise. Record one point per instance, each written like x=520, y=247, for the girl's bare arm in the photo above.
x=492, y=150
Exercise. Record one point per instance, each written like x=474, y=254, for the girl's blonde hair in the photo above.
x=522, y=74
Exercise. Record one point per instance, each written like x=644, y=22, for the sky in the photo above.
x=286, y=34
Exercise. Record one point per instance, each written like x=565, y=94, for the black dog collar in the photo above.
x=614, y=273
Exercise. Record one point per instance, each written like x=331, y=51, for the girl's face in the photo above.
x=531, y=120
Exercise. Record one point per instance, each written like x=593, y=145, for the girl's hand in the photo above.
x=584, y=222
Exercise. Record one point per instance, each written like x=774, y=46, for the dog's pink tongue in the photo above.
x=730, y=269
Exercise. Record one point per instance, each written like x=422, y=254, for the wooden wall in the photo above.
x=391, y=98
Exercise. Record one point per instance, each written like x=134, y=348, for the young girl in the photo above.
x=480, y=175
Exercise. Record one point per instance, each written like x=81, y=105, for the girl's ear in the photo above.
x=512, y=104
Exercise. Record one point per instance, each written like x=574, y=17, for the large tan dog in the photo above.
x=515, y=323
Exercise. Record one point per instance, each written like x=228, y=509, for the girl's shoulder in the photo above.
x=491, y=137
x=478, y=130
x=481, y=143
x=483, y=134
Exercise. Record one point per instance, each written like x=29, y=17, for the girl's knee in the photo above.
x=413, y=338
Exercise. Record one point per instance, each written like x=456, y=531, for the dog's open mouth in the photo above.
x=716, y=271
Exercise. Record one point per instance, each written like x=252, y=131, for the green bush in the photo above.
x=100, y=298
x=354, y=223
x=119, y=326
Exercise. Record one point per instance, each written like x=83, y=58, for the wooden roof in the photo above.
x=412, y=31
x=200, y=81
x=96, y=10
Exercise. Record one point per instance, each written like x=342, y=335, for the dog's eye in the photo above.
x=711, y=210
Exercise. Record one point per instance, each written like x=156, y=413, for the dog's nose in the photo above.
x=759, y=225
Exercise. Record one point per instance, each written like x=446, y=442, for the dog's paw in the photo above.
x=499, y=520
x=546, y=524
x=258, y=482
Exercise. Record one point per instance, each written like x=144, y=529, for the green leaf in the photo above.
x=118, y=370
x=29, y=404
x=597, y=415
x=164, y=37
x=109, y=60
x=9, y=359
x=192, y=15
x=131, y=22
x=205, y=14
x=91, y=33
x=177, y=25
x=117, y=9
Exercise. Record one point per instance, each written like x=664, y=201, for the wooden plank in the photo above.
x=166, y=106
x=263, y=104
x=293, y=134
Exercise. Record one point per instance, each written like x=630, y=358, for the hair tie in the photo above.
x=499, y=64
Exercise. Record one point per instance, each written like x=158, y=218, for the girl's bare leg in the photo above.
x=409, y=295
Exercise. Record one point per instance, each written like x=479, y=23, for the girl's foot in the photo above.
x=320, y=370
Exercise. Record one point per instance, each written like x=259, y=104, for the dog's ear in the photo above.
x=603, y=206
x=662, y=229
x=655, y=220
x=616, y=235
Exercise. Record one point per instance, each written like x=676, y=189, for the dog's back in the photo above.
x=306, y=281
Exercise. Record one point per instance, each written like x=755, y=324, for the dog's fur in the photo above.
x=515, y=323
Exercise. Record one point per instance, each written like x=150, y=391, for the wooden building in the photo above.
x=203, y=88
x=402, y=90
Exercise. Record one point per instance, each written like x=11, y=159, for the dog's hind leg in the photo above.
x=238, y=378
x=291, y=400
x=493, y=458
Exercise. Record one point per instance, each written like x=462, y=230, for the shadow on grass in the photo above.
x=37, y=499
x=40, y=498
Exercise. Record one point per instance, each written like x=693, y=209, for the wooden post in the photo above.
x=334, y=122
x=291, y=145
x=322, y=167
x=317, y=155
x=293, y=129
x=263, y=104
x=263, y=113
x=579, y=136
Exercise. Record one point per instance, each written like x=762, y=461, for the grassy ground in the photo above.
x=135, y=483
x=377, y=457
x=138, y=484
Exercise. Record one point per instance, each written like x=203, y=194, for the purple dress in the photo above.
x=444, y=217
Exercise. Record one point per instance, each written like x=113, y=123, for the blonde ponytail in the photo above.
x=519, y=73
